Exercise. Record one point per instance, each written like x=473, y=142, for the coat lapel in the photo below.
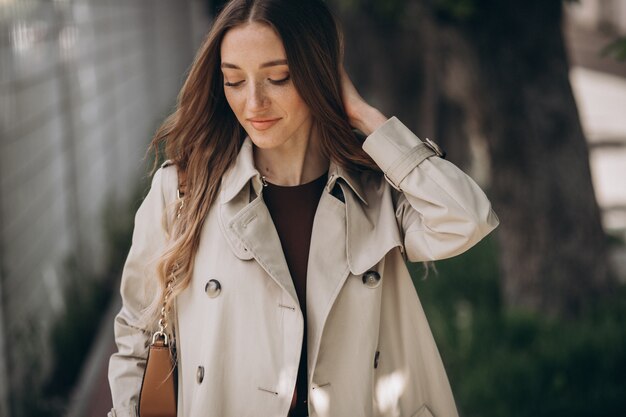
x=246, y=221
x=254, y=228
x=327, y=269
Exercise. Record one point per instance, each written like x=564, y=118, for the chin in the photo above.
x=265, y=142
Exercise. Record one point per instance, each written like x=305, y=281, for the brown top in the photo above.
x=292, y=209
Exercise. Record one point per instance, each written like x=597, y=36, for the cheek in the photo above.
x=234, y=101
x=300, y=109
x=296, y=105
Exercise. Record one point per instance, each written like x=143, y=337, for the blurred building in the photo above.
x=83, y=85
x=599, y=84
x=600, y=14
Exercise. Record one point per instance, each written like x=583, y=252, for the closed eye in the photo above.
x=274, y=82
x=238, y=83
x=281, y=81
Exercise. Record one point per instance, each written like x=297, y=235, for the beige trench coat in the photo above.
x=370, y=350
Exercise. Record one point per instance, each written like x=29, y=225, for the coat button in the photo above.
x=213, y=288
x=376, y=358
x=371, y=279
x=200, y=374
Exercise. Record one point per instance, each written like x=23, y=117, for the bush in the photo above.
x=88, y=296
x=504, y=363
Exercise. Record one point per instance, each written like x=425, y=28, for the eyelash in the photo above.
x=281, y=82
x=275, y=82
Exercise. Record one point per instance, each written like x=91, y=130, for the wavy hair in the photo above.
x=202, y=137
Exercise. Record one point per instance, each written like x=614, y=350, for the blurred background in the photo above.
x=527, y=96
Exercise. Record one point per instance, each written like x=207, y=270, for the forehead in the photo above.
x=251, y=43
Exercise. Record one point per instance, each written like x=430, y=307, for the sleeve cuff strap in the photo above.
x=406, y=163
x=396, y=150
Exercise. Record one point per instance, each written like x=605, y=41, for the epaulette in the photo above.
x=182, y=176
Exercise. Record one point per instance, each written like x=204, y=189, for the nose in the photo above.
x=257, y=98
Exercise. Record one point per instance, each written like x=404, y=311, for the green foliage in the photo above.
x=458, y=9
x=616, y=49
x=118, y=223
x=27, y=340
x=390, y=11
x=68, y=339
x=504, y=363
x=87, y=297
x=615, y=239
x=72, y=336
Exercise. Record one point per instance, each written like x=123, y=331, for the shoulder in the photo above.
x=167, y=163
x=166, y=179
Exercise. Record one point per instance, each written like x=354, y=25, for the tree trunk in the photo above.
x=395, y=62
x=553, y=248
x=385, y=61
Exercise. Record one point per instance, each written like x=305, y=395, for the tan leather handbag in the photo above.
x=158, y=394
x=158, y=388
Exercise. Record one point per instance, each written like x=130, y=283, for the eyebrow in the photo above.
x=264, y=65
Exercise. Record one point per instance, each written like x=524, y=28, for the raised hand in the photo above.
x=360, y=114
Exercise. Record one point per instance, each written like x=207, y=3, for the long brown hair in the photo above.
x=203, y=137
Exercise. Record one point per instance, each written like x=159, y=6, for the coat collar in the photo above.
x=243, y=170
x=349, y=235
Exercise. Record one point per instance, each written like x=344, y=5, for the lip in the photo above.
x=263, y=124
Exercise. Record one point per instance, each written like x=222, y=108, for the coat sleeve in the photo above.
x=138, y=286
x=441, y=211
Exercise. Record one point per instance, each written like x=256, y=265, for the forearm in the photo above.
x=441, y=210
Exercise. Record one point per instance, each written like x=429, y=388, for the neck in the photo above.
x=293, y=163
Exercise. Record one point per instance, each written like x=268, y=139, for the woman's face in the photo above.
x=259, y=89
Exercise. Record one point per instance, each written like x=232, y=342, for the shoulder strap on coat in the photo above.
x=182, y=181
x=182, y=176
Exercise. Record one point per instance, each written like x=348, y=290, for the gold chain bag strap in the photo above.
x=158, y=394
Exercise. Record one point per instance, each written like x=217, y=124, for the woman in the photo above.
x=290, y=293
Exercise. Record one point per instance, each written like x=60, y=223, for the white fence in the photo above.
x=83, y=85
